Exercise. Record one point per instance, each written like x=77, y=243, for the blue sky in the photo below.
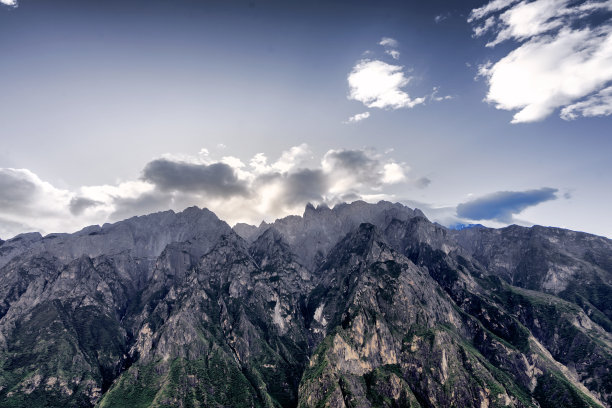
x=492, y=112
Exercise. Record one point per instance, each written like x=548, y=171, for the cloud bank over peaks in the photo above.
x=562, y=58
x=236, y=191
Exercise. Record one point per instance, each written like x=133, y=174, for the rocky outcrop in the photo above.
x=362, y=305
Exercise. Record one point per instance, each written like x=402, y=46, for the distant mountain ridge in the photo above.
x=360, y=305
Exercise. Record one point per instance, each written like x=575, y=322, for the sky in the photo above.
x=492, y=112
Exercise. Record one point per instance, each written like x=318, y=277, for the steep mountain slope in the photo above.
x=362, y=305
x=572, y=265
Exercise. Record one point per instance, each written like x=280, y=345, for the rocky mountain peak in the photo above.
x=367, y=305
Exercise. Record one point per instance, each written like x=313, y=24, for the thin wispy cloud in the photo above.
x=389, y=42
x=390, y=45
x=491, y=7
x=438, y=98
x=563, y=57
x=599, y=104
x=441, y=17
x=395, y=54
x=358, y=117
x=502, y=206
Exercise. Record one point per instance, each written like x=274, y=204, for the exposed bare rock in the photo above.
x=360, y=305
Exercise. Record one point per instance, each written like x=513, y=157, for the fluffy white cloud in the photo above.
x=559, y=59
x=393, y=173
x=236, y=190
x=377, y=84
x=12, y=3
x=288, y=159
x=551, y=72
x=292, y=158
x=358, y=117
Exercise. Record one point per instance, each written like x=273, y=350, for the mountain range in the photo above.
x=359, y=305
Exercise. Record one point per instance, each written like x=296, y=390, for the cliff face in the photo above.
x=362, y=305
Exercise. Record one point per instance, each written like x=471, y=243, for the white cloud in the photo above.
x=389, y=42
x=292, y=158
x=491, y=7
x=259, y=163
x=377, y=84
x=559, y=59
x=232, y=161
x=438, y=98
x=288, y=160
x=395, y=54
x=393, y=173
x=12, y=3
x=599, y=104
x=486, y=26
x=390, y=45
x=358, y=117
x=526, y=20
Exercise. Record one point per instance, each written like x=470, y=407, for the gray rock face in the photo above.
x=363, y=305
x=143, y=237
x=319, y=229
x=572, y=265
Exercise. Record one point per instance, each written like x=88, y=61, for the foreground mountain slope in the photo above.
x=360, y=305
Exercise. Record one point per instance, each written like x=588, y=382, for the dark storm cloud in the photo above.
x=16, y=190
x=305, y=185
x=501, y=206
x=217, y=179
x=79, y=204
